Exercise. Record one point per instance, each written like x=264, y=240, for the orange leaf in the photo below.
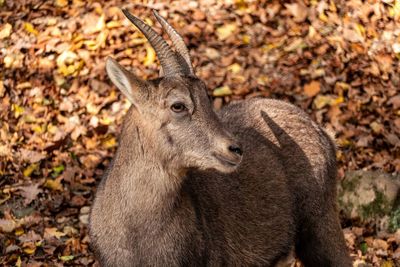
x=312, y=89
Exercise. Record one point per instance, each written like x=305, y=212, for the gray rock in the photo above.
x=371, y=195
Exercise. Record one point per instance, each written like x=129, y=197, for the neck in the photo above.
x=139, y=175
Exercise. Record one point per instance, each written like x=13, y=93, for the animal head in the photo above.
x=173, y=112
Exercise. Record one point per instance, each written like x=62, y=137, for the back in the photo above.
x=303, y=148
x=307, y=159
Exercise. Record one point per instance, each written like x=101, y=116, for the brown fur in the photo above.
x=166, y=200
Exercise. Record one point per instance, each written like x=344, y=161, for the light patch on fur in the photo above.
x=332, y=135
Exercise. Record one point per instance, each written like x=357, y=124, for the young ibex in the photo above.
x=189, y=187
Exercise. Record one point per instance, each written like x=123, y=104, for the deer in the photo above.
x=246, y=185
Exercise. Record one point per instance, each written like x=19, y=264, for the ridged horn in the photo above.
x=169, y=63
x=177, y=41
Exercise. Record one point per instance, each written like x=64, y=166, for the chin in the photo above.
x=215, y=164
x=224, y=169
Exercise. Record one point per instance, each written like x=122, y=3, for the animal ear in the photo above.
x=124, y=80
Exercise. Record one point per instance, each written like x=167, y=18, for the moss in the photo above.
x=394, y=220
x=379, y=207
x=348, y=185
x=351, y=183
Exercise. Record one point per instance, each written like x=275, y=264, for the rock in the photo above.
x=371, y=195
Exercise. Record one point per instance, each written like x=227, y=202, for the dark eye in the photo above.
x=178, y=107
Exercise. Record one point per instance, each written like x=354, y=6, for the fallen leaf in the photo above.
x=93, y=23
x=395, y=101
x=53, y=232
x=299, y=11
x=321, y=101
x=312, y=89
x=379, y=243
x=352, y=35
x=2, y=89
x=66, y=258
x=246, y=39
x=61, y=3
x=393, y=139
x=8, y=225
x=69, y=63
x=109, y=142
x=54, y=184
x=31, y=156
x=30, y=250
x=19, y=262
x=222, y=91
x=294, y=45
x=31, y=236
x=18, y=110
x=150, y=56
x=234, y=68
x=5, y=31
x=4, y=197
x=30, y=169
x=225, y=31
x=376, y=127
x=396, y=48
x=29, y=28
x=30, y=192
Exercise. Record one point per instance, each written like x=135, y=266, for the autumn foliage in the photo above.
x=60, y=115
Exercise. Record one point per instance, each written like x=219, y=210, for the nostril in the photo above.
x=235, y=149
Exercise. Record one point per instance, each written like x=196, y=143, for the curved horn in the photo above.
x=168, y=61
x=177, y=41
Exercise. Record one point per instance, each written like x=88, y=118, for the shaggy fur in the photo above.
x=168, y=199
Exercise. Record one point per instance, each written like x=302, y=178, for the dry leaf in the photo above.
x=222, y=91
x=225, y=31
x=299, y=11
x=312, y=89
x=5, y=31
x=30, y=192
x=321, y=101
x=53, y=232
x=30, y=169
x=31, y=156
x=31, y=236
x=29, y=28
x=150, y=56
x=234, y=68
x=8, y=225
x=54, y=184
x=395, y=101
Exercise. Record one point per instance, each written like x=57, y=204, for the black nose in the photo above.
x=235, y=149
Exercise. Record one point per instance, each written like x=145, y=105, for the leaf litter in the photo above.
x=337, y=60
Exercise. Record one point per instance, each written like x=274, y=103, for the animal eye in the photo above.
x=178, y=107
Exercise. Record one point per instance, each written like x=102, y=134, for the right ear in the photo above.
x=125, y=81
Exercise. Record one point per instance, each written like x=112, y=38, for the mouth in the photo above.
x=226, y=162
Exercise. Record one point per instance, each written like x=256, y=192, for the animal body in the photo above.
x=192, y=187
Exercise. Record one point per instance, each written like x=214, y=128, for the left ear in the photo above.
x=126, y=82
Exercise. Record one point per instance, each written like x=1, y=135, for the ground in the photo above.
x=60, y=115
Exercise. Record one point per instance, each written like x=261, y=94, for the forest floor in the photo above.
x=60, y=115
